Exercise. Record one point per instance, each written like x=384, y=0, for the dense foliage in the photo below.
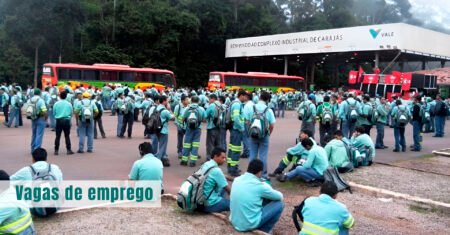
x=186, y=36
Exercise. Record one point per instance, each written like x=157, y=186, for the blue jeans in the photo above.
x=13, y=115
x=417, y=135
x=439, y=122
x=180, y=136
x=399, y=137
x=234, y=150
x=86, y=130
x=379, y=143
x=307, y=174
x=222, y=205
x=155, y=144
x=348, y=127
x=162, y=149
x=52, y=119
x=119, y=123
x=223, y=138
x=260, y=148
x=191, y=144
x=281, y=108
x=246, y=142
x=28, y=231
x=271, y=213
x=38, y=127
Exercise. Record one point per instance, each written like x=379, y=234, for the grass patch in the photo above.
x=423, y=210
x=427, y=156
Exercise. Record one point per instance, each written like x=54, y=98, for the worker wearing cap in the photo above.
x=85, y=111
x=39, y=121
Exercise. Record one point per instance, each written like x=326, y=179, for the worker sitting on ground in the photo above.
x=312, y=169
x=365, y=146
x=324, y=214
x=337, y=153
x=148, y=167
x=294, y=155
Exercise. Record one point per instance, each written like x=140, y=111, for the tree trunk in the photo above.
x=36, y=55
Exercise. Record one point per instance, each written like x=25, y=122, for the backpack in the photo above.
x=327, y=114
x=218, y=118
x=125, y=107
x=372, y=115
x=297, y=214
x=44, y=179
x=352, y=113
x=332, y=174
x=190, y=196
x=192, y=121
x=32, y=109
x=260, y=125
x=154, y=124
x=228, y=117
x=442, y=109
x=303, y=111
x=146, y=115
x=86, y=112
x=402, y=116
x=283, y=99
x=19, y=102
x=424, y=114
x=52, y=102
x=100, y=112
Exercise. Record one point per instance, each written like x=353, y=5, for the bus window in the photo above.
x=74, y=74
x=109, y=76
x=63, y=74
x=126, y=76
x=281, y=82
x=214, y=78
x=91, y=75
x=139, y=77
x=270, y=82
x=163, y=79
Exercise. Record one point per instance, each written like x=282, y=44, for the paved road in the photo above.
x=113, y=157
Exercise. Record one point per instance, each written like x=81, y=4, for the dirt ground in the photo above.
x=412, y=182
x=165, y=220
x=428, y=163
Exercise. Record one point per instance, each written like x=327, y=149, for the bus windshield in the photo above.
x=214, y=78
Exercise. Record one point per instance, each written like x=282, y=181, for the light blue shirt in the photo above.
x=201, y=113
x=214, y=184
x=363, y=141
x=147, y=168
x=345, y=107
x=237, y=115
x=166, y=116
x=25, y=173
x=317, y=159
x=260, y=107
x=211, y=112
x=246, y=198
x=326, y=213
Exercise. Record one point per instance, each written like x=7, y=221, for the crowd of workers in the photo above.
x=344, y=121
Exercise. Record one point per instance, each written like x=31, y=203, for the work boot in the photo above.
x=192, y=164
x=56, y=153
x=183, y=163
x=166, y=162
x=69, y=152
x=282, y=178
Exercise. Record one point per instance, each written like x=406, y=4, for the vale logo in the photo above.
x=374, y=32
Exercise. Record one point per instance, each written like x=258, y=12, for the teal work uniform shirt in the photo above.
x=365, y=110
x=344, y=108
x=25, y=173
x=334, y=109
x=12, y=210
x=200, y=110
x=317, y=159
x=310, y=111
x=214, y=184
x=336, y=153
x=363, y=141
x=147, y=168
x=40, y=105
x=237, y=115
x=86, y=103
x=383, y=110
x=165, y=116
x=62, y=110
x=212, y=112
x=260, y=107
x=299, y=150
x=246, y=200
x=324, y=215
x=179, y=112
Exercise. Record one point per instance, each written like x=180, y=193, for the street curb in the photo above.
x=443, y=154
x=445, y=207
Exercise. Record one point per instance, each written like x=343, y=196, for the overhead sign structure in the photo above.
x=399, y=36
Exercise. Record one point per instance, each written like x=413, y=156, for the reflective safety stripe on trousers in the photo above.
x=231, y=162
x=235, y=148
x=312, y=229
x=17, y=226
x=195, y=144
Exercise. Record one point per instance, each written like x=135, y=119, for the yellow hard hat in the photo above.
x=86, y=95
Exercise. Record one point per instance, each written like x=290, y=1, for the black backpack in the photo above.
x=100, y=112
x=297, y=214
x=154, y=124
x=332, y=174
